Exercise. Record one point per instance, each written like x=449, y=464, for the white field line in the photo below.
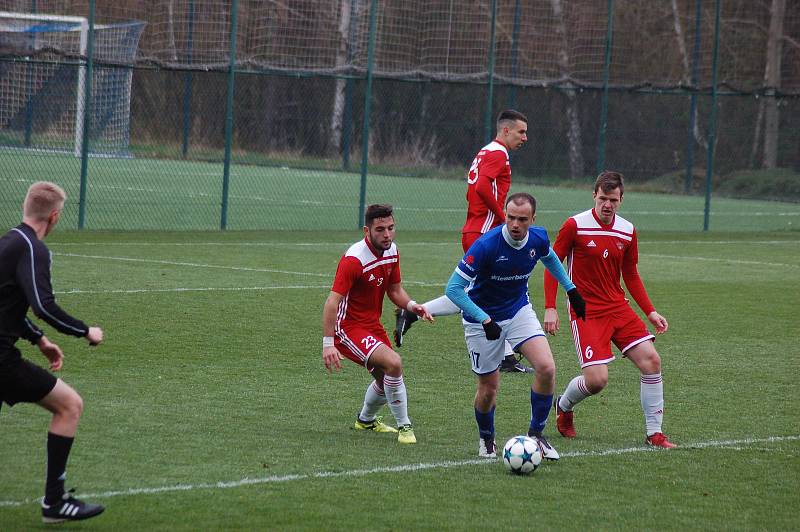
x=415, y=283
x=735, y=444
x=724, y=260
x=190, y=264
x=79, y=291
x=213, y=266
x=312, y=274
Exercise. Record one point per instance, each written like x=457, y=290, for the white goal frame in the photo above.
x=80, y=109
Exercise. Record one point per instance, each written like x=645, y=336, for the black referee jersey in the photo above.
x=24, y=283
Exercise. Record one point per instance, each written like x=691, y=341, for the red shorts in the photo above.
x=593, y=337
x=358, y=343
x=467, y=239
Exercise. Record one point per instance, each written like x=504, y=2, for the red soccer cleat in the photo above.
x=564, y=421
x=659, y=440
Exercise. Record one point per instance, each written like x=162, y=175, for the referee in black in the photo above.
x=24, y=283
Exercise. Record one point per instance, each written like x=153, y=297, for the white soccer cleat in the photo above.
x=487, y=448
x=548, y=452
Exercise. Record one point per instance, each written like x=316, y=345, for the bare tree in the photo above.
x=772, y=81
x=687, y=73
x=576, y=163
x=342, y=57
x=757, y=134
x=171, y=30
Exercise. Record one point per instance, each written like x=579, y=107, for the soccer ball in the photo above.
x=522, y=455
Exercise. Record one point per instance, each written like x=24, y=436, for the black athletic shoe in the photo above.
x=69, y=509
x=512, y=365
x=404, y=320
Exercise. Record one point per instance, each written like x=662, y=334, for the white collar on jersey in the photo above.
x=516, y=244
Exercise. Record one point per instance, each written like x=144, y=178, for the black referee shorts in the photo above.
x=24, y=382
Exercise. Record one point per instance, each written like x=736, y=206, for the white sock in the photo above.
x=652, y=395
x=509, y=351
x=575, y=393
x=395, y=390
x=374, y=399
x=441, y=306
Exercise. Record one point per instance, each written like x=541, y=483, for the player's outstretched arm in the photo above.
x=554, y=266
x=398, y=295
x=556, y=269
x=562, y=248
x=331, y=356
x=456, y=292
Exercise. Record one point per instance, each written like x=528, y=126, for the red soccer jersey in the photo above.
x=597, y=255
x=488, y=181
x=362, y=277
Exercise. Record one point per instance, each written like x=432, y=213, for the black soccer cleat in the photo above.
x=69, y=509
x=404, y=320
x=511, y=365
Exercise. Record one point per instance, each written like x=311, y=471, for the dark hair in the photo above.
x=608, y=181
x=379, y=210
x=522, y=197
x=510, y=115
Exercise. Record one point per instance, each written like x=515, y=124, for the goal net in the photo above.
x=43, y=82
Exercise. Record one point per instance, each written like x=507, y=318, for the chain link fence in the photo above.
x=146, y=117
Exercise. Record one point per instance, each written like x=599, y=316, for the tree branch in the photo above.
x=791, y=41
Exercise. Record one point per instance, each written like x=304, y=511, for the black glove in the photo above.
x=492, y=330
x=577, y=303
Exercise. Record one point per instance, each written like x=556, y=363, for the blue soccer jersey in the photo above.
x=498, y=269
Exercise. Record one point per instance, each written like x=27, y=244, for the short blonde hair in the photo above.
x=43, y=198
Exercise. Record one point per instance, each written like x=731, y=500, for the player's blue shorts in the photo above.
x=486, y=355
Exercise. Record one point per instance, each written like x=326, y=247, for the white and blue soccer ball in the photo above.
x=522, y=455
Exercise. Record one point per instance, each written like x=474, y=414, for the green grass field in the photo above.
x=131, y=194
x=208, y=406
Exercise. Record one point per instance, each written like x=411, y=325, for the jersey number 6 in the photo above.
x=473, y=168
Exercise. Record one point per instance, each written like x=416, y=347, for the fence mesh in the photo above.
x=298, y=110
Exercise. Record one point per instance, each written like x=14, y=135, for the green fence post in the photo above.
x=712, y=126
x=687, y=188
x=226, y=170
x=487, y=119
x=601, y=141
x=87, y=118
x=187, y=84
x=362, y=197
